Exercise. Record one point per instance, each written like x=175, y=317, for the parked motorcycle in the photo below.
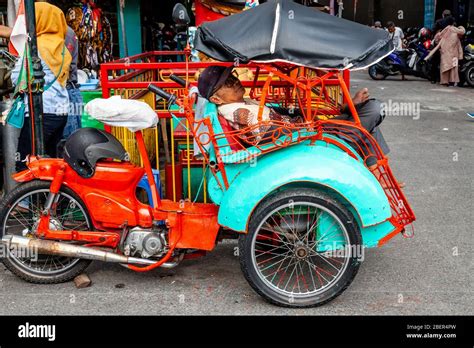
x=466, y=69
x=466, y=66
x=408, y=62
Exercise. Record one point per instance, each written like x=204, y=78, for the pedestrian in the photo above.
x=451, y=52
x=75, y=97
x=436, y=58
x=377, y=25
x=396, y=35
x=442, y=22
x=51, y=31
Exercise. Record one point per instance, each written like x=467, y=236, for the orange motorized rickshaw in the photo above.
x=300, y=198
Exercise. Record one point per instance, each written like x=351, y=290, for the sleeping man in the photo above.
x=220, y=86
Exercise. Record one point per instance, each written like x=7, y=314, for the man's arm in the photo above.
x=360, y=97
x=5, y=31
x=402, y=34
x=459, y=30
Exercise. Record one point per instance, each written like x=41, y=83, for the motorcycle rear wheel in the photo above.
x=19, y=213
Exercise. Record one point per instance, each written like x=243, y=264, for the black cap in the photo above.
x=213, y=78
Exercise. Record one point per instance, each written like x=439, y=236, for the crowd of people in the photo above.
x=58, y=50
x=446, y=38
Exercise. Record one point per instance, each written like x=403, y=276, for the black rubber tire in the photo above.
x=273, y=202
x=469, y=75
x=374, y=74
x=24, y=273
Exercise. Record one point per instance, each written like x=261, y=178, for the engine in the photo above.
x=145, y=243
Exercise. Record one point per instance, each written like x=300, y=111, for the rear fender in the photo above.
x=42, y=169
x=304, y=165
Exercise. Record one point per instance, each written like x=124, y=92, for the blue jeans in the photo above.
x=74, y=117
x=53, y=126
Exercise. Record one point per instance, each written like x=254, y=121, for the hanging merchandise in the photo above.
x=94, y=32
x=251, y=4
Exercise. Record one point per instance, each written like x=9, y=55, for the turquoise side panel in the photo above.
x=331, y=238
x=320, y=164
x=324, y=164
x=328, y=234
x=373, y=234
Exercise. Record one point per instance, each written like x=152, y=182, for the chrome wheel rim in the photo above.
x=22, y=219
x=285, y=251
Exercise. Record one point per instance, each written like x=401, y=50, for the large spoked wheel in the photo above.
x=302, y=249
x=19, y=215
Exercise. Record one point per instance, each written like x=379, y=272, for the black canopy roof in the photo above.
x=284, y=31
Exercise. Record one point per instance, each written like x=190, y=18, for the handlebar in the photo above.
x=171, y=98
x=178, y=80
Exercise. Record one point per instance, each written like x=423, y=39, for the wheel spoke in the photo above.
x=276, y=263
x=278, y=236
x=271, y=245
x=17, y=221
x=315, y=269
x=264, y=252
x=329, y=263
x=286, y=222
x=291, y=265
x=279, y=267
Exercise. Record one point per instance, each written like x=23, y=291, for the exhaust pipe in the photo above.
x=64, y=249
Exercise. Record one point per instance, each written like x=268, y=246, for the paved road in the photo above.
x=430, y=274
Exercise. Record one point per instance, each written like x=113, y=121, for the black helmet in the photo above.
x=88, y=145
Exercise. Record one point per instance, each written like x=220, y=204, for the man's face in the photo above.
x=391, y=29
x=231, y=92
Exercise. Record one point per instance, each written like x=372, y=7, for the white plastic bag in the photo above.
x=117, y=112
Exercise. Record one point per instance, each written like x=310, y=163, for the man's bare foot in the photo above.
x=361, y=96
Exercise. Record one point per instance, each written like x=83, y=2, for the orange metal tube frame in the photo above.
x=149, y=172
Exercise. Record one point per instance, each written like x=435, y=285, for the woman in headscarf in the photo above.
x=451, y=51
x=51, y=31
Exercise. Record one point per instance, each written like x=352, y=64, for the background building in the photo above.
x=143, y=17
x=412, y=13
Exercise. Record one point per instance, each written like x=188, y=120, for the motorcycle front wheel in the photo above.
x=469, y=75
x=376, y=74
x=19, y=215
x=300, y=248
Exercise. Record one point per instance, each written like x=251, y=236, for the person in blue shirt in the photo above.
x=51, y=31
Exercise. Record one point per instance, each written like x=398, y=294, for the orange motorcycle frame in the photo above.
x=110, y=199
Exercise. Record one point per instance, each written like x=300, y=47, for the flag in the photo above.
x=19, y=36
